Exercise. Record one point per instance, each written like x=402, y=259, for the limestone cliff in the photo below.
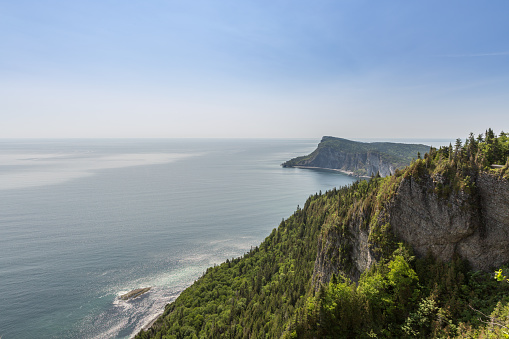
x=473, y=225
x=360, y=158
x=368, y=163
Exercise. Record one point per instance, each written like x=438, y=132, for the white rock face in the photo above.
x=331, y=158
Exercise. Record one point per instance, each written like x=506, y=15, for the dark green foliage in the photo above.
x=254, y=296
x=383, y=298
x=454, y=169
x=397, y=154
x=401, y=298
x=269, y=292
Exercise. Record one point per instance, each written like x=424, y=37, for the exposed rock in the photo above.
x=135, y=293
x=346, y=254
x=366, y=163
x=475, y=226
x=360, y=158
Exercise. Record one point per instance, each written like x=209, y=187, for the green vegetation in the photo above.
x=254, y=296
x=270, y=291
x=454, y=168
x=401, y=297
x=396, y=154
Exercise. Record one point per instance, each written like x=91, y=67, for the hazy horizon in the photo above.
x=253, y=69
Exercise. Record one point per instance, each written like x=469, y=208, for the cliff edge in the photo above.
x=359, y=158
x=431, y=208
x=395, y=257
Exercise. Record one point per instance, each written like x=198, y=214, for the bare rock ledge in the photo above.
x=135, y=293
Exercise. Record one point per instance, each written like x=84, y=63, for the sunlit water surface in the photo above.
x=83, y=221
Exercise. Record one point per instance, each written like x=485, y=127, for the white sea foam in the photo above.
x=129, y=316
x=138, y=313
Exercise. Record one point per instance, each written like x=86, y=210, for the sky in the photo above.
x=253, y=68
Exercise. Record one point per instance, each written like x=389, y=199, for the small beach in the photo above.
x=350, y=173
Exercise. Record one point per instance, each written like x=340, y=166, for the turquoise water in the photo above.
x=82, y=221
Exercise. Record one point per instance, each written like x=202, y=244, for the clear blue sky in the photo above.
x=253, y=68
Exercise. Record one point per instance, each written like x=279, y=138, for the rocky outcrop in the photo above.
x=135, y=293
x=473, y=225
x=359, y=158
x=368, y=163
x=343, y=254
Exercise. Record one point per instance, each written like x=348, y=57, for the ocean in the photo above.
x=84, y=221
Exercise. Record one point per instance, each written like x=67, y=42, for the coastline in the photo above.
x=153, y=321
x=350, y=173
x=148, y=325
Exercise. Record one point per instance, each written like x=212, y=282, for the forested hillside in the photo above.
x=305, y=279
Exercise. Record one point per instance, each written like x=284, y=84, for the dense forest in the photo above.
x=271, y=292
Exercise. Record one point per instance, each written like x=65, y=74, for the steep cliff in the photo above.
x=472, y=223
x=475, y=226
x=345, y=266
x=360, y=158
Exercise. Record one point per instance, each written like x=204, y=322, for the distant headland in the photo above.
x=359, y=158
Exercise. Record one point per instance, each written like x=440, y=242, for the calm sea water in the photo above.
x=83, y=221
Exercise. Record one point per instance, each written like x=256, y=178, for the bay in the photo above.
x=83, y=221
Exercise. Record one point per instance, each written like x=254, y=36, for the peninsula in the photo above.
x=359, y=158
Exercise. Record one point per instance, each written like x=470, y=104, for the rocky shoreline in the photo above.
x=350, y=173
